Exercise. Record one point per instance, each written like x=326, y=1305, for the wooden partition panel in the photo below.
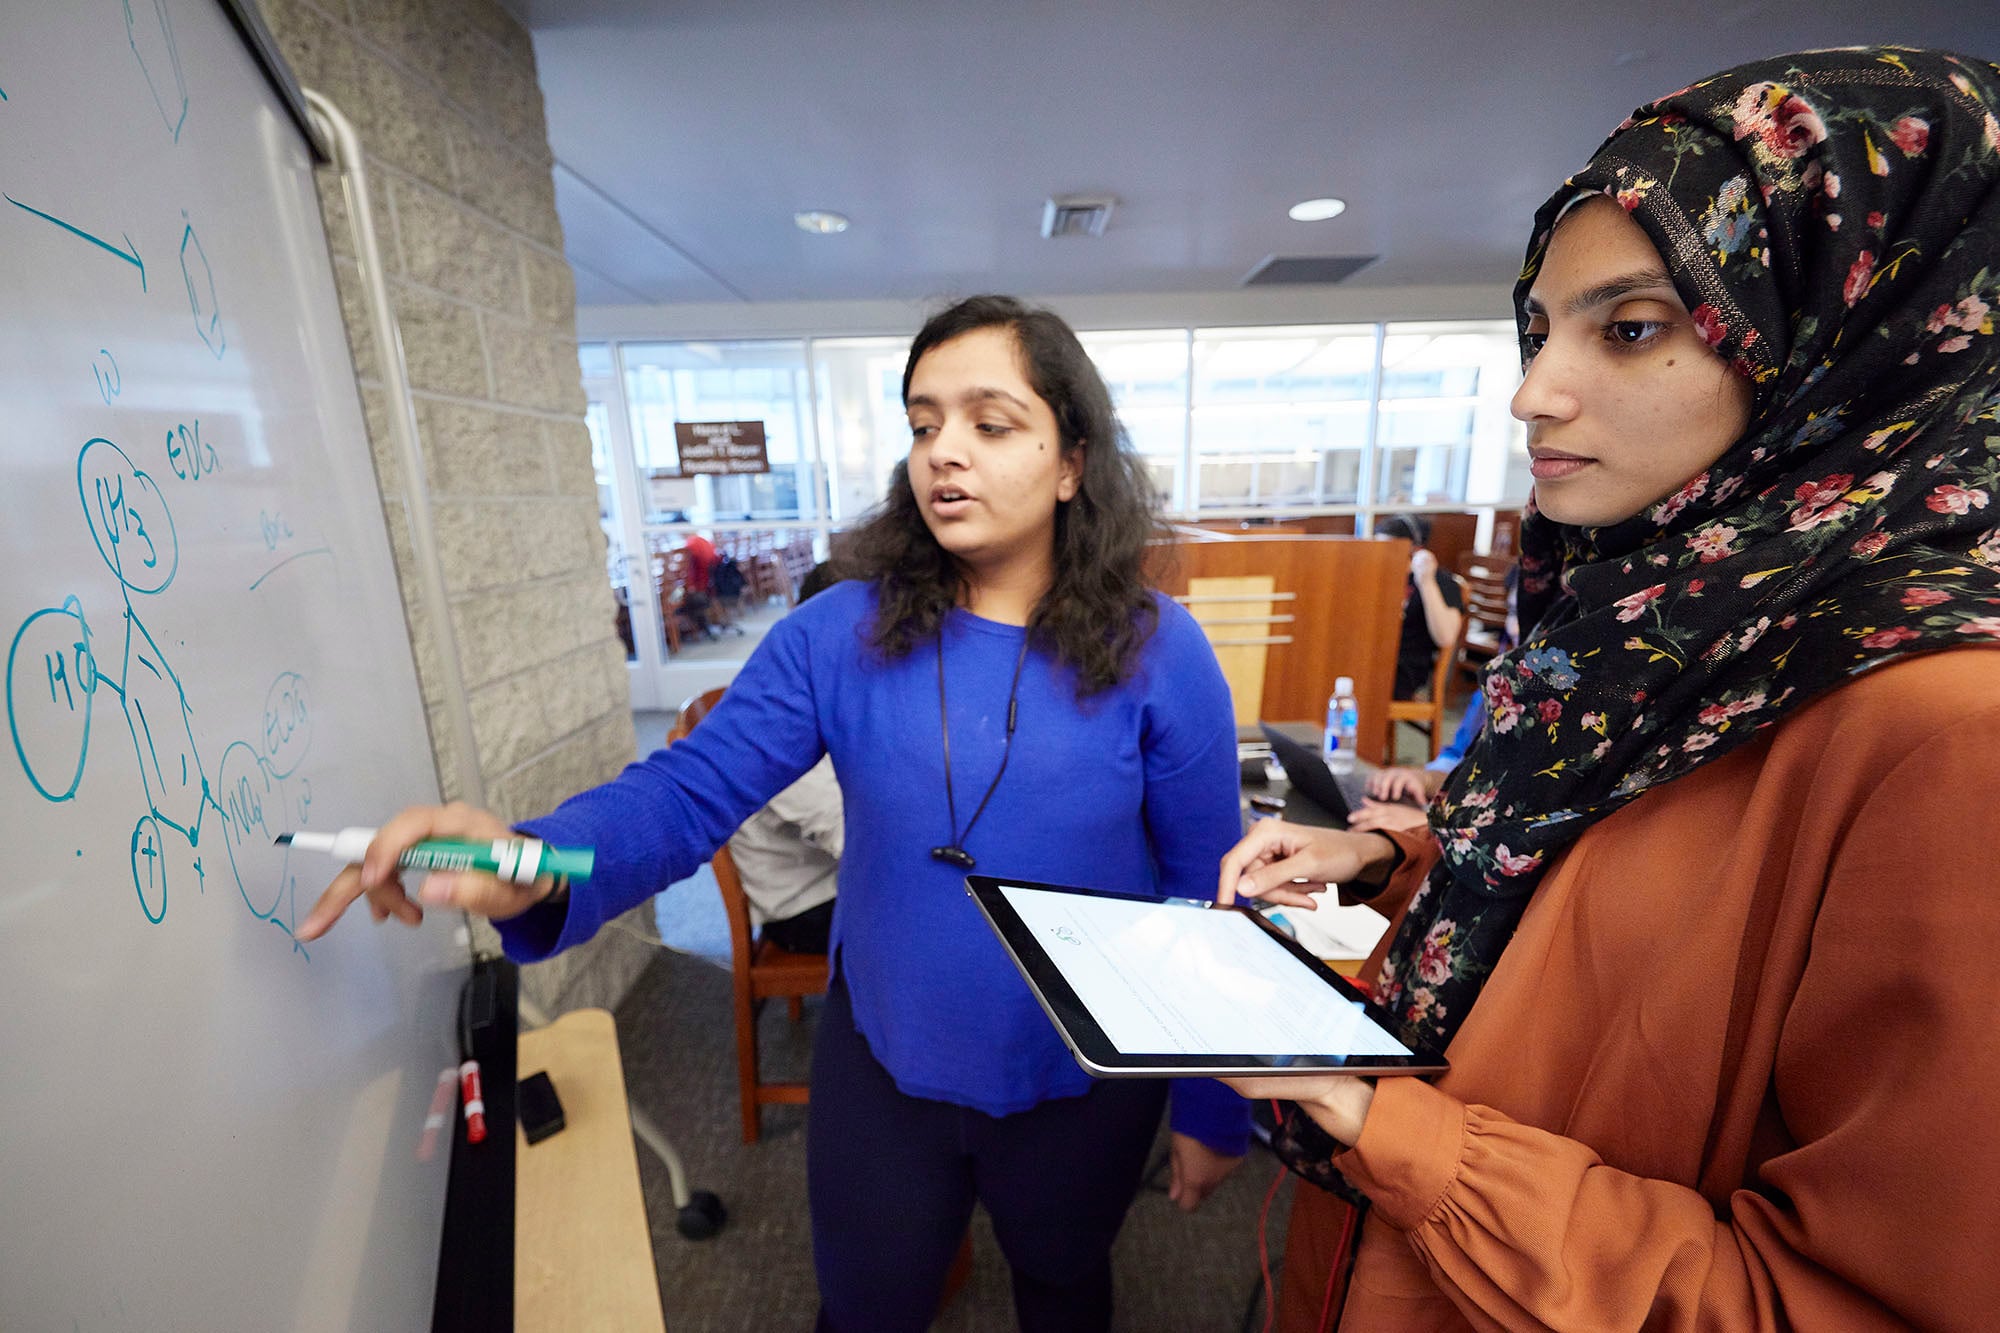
x=1328, y=525
x=1243, y=624
x=1348, y=609
x=1452, y=535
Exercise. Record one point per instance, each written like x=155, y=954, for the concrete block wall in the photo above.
x=442, y=94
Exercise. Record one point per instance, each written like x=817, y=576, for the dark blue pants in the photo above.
x=893, y=1178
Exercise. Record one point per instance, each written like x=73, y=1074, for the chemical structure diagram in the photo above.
x=58, y=675
x=151, y=34
x=200, y=281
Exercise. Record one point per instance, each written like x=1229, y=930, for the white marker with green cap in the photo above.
x=517, y=860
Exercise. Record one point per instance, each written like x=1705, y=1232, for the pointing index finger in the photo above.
x=339, y=896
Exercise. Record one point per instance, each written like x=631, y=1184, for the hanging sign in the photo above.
x=721, y=448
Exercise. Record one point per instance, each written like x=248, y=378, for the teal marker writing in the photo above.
x=518, y=860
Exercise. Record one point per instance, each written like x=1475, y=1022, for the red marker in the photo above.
x=439, y=1117
x=475, y=1104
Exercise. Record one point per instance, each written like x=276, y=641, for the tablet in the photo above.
x=1140, y=987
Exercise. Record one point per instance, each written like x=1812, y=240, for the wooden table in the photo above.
x=583, y=1252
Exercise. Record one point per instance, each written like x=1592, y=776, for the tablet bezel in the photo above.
x=1096, y=1053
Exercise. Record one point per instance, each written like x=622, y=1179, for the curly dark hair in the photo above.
x=1099, y=611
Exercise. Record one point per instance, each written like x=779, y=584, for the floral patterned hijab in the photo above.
x=1832, y=220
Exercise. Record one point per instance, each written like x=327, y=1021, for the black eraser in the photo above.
x=482, y=1004
x=540, y=1109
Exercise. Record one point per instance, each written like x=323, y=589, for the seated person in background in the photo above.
x=1430, y=606
x=788, y=857
x=788, y=853
x=1398, y=796
x=697, y=602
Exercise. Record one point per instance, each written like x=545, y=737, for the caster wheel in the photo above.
x=702, y=1217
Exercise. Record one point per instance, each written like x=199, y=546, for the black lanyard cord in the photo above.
x=954, y=851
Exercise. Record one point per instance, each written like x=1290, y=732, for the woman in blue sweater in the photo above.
x=996, y=686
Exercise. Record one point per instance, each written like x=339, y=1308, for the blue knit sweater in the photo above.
x=1133, y=789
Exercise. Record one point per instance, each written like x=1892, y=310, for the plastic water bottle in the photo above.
x=1343, y=723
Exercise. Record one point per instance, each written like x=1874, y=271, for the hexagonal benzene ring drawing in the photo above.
x=201, y=292
x=151, y=33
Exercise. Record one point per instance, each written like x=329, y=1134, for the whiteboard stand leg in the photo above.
x=649, y=1134
x=699, y=1214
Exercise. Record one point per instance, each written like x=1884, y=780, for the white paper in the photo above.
x=1330, y=930
x=1161, y=978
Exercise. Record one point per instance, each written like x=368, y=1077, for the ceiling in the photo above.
x=688, y=132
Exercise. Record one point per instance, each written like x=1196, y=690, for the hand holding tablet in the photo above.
x=1340, y=1105
x=1139, y=987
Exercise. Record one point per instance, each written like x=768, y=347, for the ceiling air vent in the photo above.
x=1296, y=270
x=1077, y=214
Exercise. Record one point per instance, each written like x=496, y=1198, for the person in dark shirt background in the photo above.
x=1430, y=605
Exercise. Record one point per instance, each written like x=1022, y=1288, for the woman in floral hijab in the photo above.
x=1708, y=913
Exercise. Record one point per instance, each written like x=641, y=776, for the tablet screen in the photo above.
x=1142, y=987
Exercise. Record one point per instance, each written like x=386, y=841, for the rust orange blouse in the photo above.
x=1740, y=1066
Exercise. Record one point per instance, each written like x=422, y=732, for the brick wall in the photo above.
x=442, y=94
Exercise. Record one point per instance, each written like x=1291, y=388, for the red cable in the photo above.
x=1263, y=1251
x=1340, y=1257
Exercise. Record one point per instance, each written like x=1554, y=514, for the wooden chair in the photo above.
x=1428, y=714
x=670, y=586
x=795, y=559
x=768, y=580
x=762, y=971
x=1483, y=586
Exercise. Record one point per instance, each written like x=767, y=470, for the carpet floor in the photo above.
x=1175, y=1273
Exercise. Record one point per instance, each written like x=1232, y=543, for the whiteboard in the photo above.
x=203, y=1124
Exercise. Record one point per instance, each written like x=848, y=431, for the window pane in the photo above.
x=861, y=420
x=1147, y=373
x=623, y=572
x=1446, y=433
x=1428, y=476
x=667, y=383
x=1281, y=414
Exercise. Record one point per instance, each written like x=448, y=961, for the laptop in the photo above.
x=1311, y=778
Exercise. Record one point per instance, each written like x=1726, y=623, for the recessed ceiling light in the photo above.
x=820, y=222
x=1318, y=210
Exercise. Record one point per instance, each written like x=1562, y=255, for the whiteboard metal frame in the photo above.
x=250, y=26
x=348, y=162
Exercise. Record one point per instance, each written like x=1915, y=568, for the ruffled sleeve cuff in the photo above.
x=1411, y=1149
